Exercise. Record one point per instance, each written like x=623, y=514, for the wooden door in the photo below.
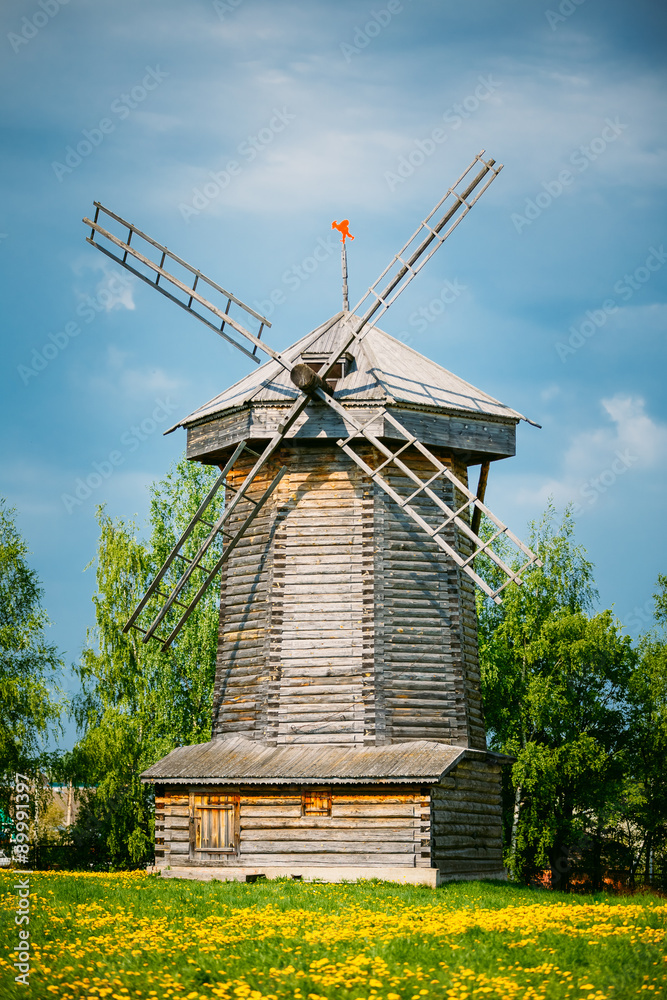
x=213, y=826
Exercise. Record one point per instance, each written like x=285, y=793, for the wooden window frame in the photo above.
x=232, y=805
x=306, y=808
x=341, y=369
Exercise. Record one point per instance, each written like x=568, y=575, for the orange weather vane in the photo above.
x=343, y=228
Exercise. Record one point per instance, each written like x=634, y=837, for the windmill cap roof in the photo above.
x=382, y=370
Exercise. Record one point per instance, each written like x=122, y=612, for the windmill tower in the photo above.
x=348, y=733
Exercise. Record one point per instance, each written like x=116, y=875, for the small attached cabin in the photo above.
x=418, y=812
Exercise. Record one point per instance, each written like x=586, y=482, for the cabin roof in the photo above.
x=250, y=762
x=384, y=370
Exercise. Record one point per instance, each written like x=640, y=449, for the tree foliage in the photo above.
x=644, y=806
x=29, y=669
x=138, y=703
x=29, y=664
x=554, y=676
x=583, y=714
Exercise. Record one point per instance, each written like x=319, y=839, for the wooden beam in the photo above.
x=481, y=493
x=309, y=381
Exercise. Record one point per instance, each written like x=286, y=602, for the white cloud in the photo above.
x=598, y=459
x=131, y=384
x=550, y=392
x=114, y=289
x=636, y=430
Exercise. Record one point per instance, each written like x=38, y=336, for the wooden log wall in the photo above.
x=341, y=622
x=466, y=821
x=172, y=825
x=295, y=643
x=367, y=826
x=244, y=637
x=426, y=616
x=468, y=630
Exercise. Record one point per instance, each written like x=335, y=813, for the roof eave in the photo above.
x=512, y=417
x=433, y=777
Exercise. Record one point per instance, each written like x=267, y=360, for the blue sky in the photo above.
x=332, y=110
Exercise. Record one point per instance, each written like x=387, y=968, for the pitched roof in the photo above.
x=250, y=762
x=384, y=371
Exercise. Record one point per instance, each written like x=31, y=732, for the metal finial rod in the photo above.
x=343, y=228
x=343, y=262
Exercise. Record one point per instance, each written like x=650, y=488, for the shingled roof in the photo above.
x=250, y=762
x=384, y=370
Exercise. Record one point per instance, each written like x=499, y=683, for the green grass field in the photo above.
x=139, y=936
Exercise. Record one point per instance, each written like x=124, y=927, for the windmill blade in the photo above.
x=218, y=318
x=178, y=547
x=183, y=592
x=172, y=597
x=424, y=242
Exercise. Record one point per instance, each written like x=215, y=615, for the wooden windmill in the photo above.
x=348, y=732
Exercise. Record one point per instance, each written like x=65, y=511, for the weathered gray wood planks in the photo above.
x=340, y=621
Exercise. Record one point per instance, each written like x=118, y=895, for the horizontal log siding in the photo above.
x=159, y=825
x=325, y=550
x=418, y=620
x=469, y=643
x=466, y=836
x=173, y=807
x=296, y=630
x=341, y=622
x=366, y=827
x=242, y=670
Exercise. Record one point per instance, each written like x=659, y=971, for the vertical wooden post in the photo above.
x=481, y=492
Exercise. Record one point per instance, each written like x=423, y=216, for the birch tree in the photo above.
x=136, y=702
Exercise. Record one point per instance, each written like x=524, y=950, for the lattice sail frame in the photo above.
x=216, y=317
x=451, y=516
x=184, y=591
x=404, y=266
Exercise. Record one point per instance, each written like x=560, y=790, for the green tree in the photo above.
x=553, y=679
x=644, y=809
x=137, y=703
x=30, y=697
x=29, y=665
